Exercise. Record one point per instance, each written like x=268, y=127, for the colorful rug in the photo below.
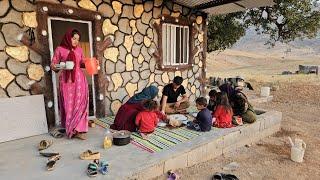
x=163, y=138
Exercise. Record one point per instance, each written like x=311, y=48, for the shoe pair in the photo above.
x=95, y=166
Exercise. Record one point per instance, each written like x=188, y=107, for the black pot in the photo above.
x=121, y=138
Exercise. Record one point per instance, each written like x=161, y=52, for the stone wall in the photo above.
x=129, y=63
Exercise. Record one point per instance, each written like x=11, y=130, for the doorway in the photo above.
x=56, y=29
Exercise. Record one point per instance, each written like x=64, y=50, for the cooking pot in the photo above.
x=121, y=138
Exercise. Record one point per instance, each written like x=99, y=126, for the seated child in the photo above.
x=212, y=101
x=203, y=120
x=147, y=120
x=223, y=112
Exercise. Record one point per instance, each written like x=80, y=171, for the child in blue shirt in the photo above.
x=203, y=121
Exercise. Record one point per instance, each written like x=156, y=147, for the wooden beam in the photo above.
x=214, y=3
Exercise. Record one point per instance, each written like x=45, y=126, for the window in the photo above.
x=175, y=44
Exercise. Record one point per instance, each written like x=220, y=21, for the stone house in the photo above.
x=152, y=41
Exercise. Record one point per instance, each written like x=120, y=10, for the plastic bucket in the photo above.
x=91, y=65
x=297, y=154
x=265, y=91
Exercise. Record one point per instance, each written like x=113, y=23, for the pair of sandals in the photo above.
x=58, y=132
x=53, y=156
x=95, y=167
x=222, y=176
x=89, y=155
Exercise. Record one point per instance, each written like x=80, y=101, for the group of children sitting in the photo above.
x=218, y=113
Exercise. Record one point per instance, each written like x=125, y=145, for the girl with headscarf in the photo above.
x=73, y=86
x=125, y=118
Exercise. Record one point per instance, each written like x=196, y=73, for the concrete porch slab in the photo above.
x=21, y=160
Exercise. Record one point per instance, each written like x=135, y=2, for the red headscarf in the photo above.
x=67, y=43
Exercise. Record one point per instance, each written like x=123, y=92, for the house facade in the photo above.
x=137, y=42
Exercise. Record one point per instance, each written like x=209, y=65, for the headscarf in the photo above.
x=146, y=94
x=227, y=88
x=67, y=43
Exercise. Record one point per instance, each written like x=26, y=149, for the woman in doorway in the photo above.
x=126, y=116
x=73, y=86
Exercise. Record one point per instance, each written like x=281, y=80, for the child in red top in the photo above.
x=147, y=120
x=223, y=112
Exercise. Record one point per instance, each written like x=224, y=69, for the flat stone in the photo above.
x=71, y=3
x=151, y=79
x=115, y=18
x=35, y=72
x=35, y=57
x=2, y=42
x=191, y=80
x=148, y=6
x=156, y=13
x=120, y=67
x=145, y=74
x=177, y=8
x=177, y=73
x=140, y=59
x=135, y=77
x=5, y=78
x=190, y=73
x=23, y=81
x=117, y=80
x=129, y=2
x=196, y=60
x=123, y=53
x=152, y=49
x=96, y=2
x=144, y=52
x=20, y=53
x=3, y=93
x=17, y=67
x=119, y=94
x=138, y=10
x=136, y=50
x=175, y=14
x=111, y=54
x=124, y=25
x=197, y=75
x=115, y=105
x=146, y=17
x=152, y=64
x=3, y=59
x=110, y=67
x=185, y=82
x=193, y=89
x=131, y=88
x=197, y=84
x=13, y=16
x=158, y=3
x=128, y=12
x=199, y=20
x=126, y=76
x=147, y=41
x=171, y=75
x=133, y=26
x=108, y=27
x=106, y=10
x=195, y=69
x=144, y=66
x=119, y=38
x=158, y=77
x=129, y=63
x=150, y=33
x=14, y=90
x=200, y=64
x=165, y=11
x=142, y=84
x=136, y=65
x=165, y=78
x=11, y=32
x=128, y=42
x=23, y=5
x=87, y=4
x=30, y=19
x=117, y=6
x=110, y=88
x=4, y=7
x=142, y=28
x=138, y=38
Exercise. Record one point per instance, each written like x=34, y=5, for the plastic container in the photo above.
x=107, y=142
x=265, y=91
x=297, y=150
x=92, y=65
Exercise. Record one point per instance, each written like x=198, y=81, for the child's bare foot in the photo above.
x=144, y=136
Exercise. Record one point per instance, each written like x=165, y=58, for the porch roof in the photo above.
x=215, y=7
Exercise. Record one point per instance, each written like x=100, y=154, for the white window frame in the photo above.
x=169, y=44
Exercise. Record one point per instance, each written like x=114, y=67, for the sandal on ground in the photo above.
x=80, y=136
x=222, y=176
x=57, y=132
x=92, y=124
x=89, y=155
x=52, y=162
x=48, y=154
x=44, y=144
x=92, y=170
x=104, y=166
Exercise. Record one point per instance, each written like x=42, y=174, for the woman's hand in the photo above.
x=54, y=68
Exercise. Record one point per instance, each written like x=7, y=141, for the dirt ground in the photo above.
x=298, y=98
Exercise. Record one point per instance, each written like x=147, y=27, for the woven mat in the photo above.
x=162, y=138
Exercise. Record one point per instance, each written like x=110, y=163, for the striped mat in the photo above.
x=162, y=138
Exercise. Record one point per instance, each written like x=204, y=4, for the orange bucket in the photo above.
x=92, y=65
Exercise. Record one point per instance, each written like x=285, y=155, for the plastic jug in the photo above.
x=297, y=150
x=107, y=142
x=92, y=65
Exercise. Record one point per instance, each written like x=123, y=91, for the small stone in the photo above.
x=177, y=73
x=119, y=38
x=35, y=72
x=190, y=73
x=23, y=81
x=111, y=54
x=127, y=12
x=5, y=78
x=22, y=5
x=131, y=88
x=177, y=8
x=165, y=78
x=3, y=93
x=135, y=77
x=2, y=42
x=14, y=90
x=158, y=3
x=140, y=59
x=117, y=6
x=115, y=105
x=70, y=3
x=146, y=17
x=199, y=20
x=87, y=4
x=145, y=74
x=120, y=67
x=30, y=19
x=193, y=89
x=11, y=32
x=17, y=67
x=152, y=65
x=138, y=38
x=191, y=80
x=106, y=10
x=126, y=76
x=128, y=42
x=108, y=27
x=117, y=80
x=144, y=66
x=122, y=53
x=133, y=26
x=12, y=16
x=175, y=14
x=115, y=18
x=138, y=10
x=136, y=50
x=185, y=83
x=147, y=41
x=142, y=28
x=150, y=33
x=148, y=6
x=4, y=7
x=151, y=79
x=110, y=67
x=165, y=11
x=171, y=75
x=129, y=63
x=231, y=167
x=119, y=94
x=129, y=2
x=35, y=57
x=156, y=13
x=144, y=52
x=200, y=64
x=142, y=84
x=124, y=25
